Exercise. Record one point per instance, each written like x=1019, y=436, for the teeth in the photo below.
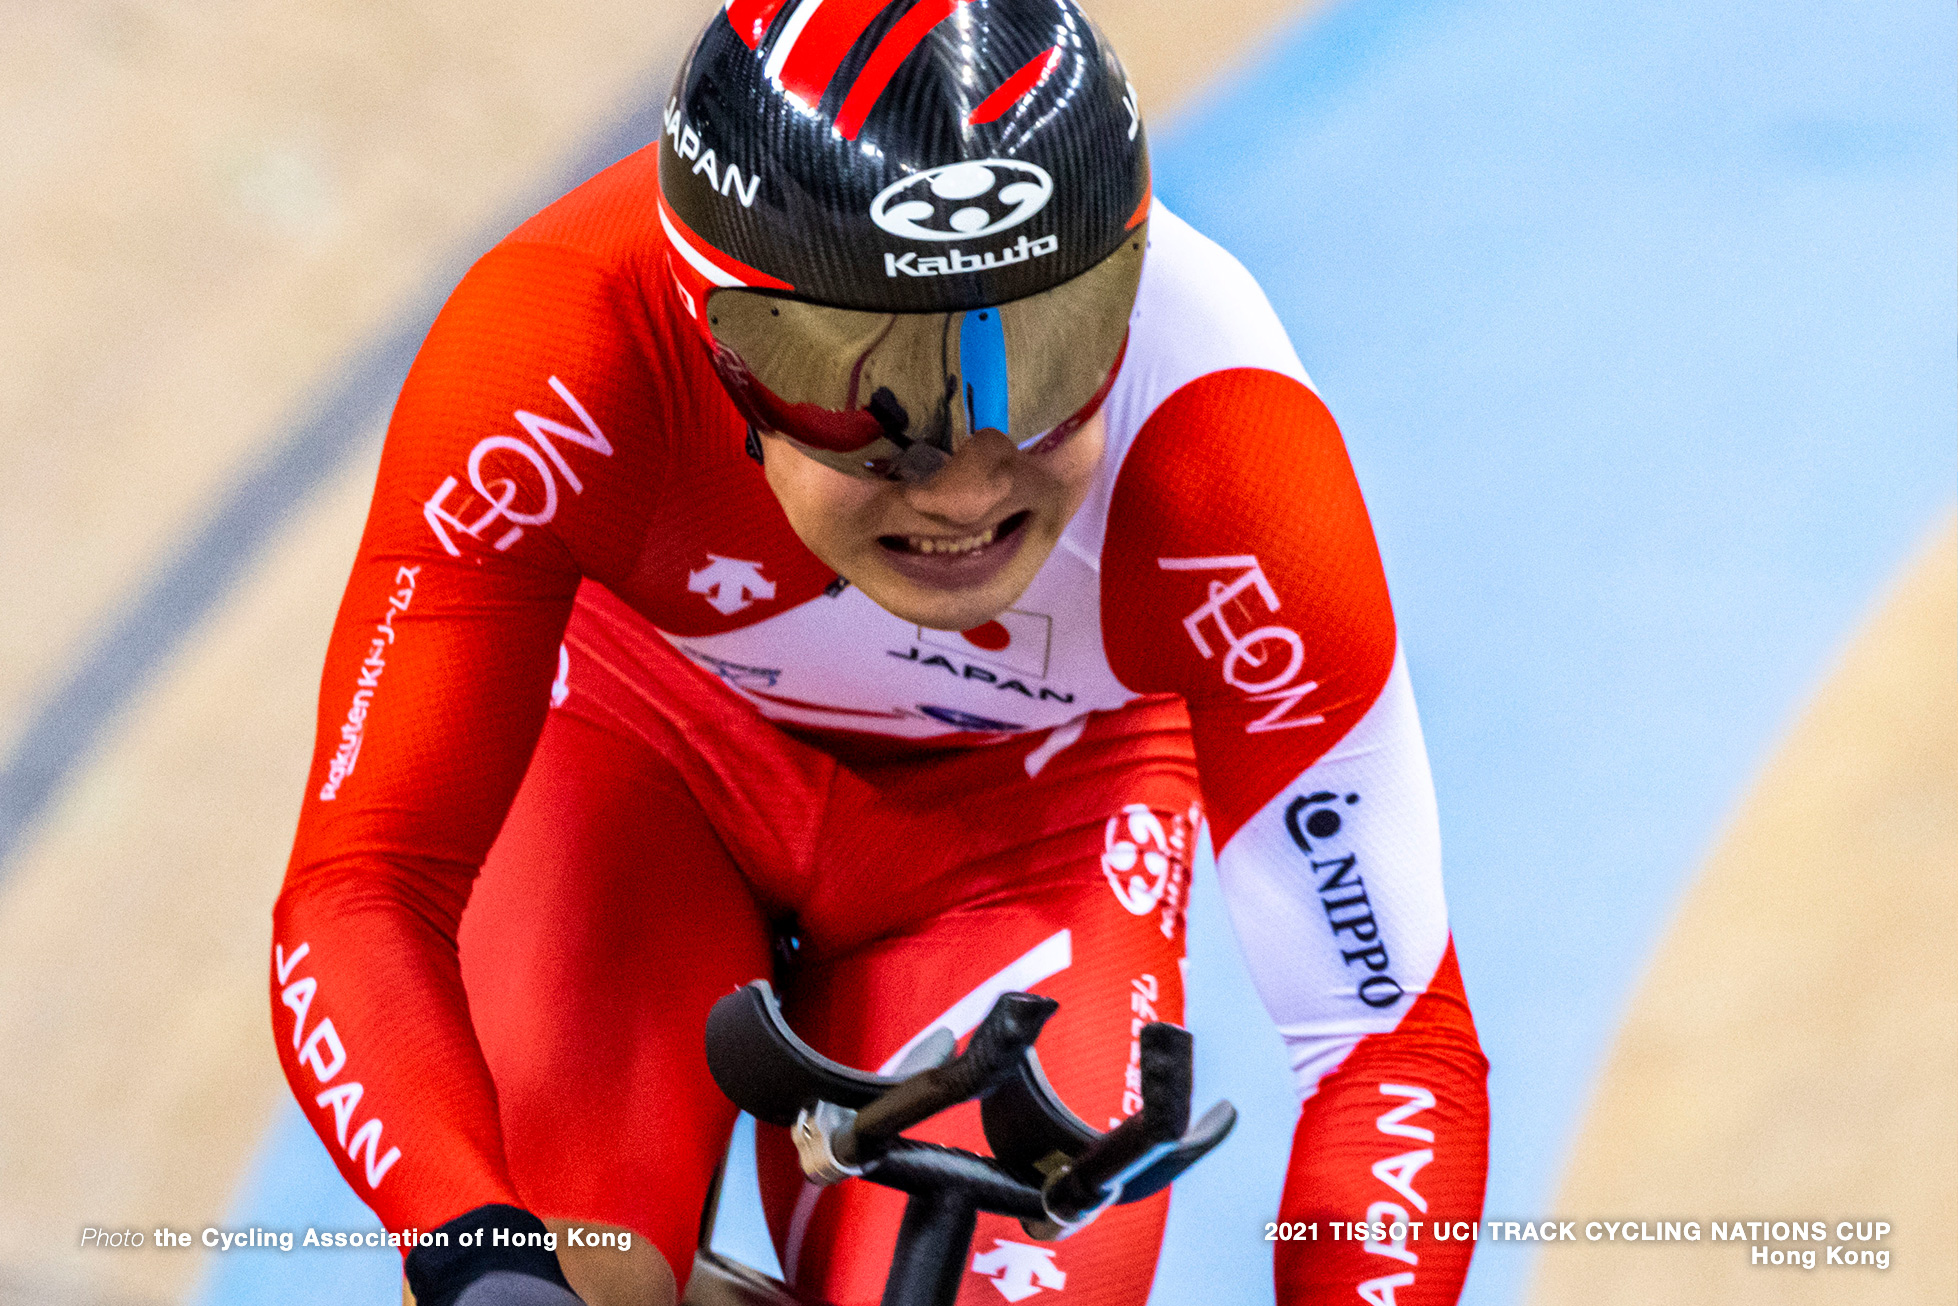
x=927, y=544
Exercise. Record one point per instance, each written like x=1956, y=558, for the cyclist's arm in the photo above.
x=507, y=475
x=1240, y=571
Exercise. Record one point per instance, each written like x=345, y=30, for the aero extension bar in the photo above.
x=1049, y=1169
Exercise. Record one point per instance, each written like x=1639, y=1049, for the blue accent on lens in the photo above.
x=983, y=369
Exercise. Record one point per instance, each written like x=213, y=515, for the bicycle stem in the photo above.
x=991, y=1056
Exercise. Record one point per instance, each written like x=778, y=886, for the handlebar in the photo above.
x=1050, y=1169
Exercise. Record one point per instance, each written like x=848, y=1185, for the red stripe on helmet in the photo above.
x=695, y=250
x=903, y=38
x=1009, y=92
x=820, y=47
x=751, y=18
x=1143, y=205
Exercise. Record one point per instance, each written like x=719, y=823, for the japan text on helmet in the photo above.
x=900, y=222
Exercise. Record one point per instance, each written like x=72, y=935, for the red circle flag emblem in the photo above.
x=992, y=637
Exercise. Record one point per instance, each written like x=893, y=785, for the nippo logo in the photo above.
x=963, y=201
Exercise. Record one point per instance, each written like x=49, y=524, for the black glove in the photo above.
x=479, y=1268
x=502, y=1288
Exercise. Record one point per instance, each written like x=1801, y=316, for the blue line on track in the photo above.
x=326, y=431
x=292, y=1187
x=62, y=734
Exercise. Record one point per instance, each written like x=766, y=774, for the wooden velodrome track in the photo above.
x=1767, y=1069
x=266, y=191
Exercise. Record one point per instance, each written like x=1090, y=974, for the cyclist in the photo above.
x=859, y=537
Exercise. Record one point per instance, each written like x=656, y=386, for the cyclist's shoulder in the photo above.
x=558, y=372
x=611, y=219
x=1209, y=382
x=1224, y=469
x=1201, y=324
x=573, y=297
x=585, y=269
x=1199, y=311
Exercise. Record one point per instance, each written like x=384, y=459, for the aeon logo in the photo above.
x=963, y=201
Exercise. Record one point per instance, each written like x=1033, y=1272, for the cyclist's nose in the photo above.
x=971, y=486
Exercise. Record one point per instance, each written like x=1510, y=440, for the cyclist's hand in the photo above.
x=492, y=1256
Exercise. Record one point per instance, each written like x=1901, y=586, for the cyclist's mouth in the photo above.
x=943, y=546
x=956, y=560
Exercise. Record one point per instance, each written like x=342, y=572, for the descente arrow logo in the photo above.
x=727, y=584
x=1019, y=1270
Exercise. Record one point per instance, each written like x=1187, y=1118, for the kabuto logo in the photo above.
x=963, y=201
x=912, y=264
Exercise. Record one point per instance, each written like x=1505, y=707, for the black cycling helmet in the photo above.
x=899, y=222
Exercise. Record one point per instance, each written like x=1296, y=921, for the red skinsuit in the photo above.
x=583, y=656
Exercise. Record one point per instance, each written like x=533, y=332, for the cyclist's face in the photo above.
x=950, y=552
